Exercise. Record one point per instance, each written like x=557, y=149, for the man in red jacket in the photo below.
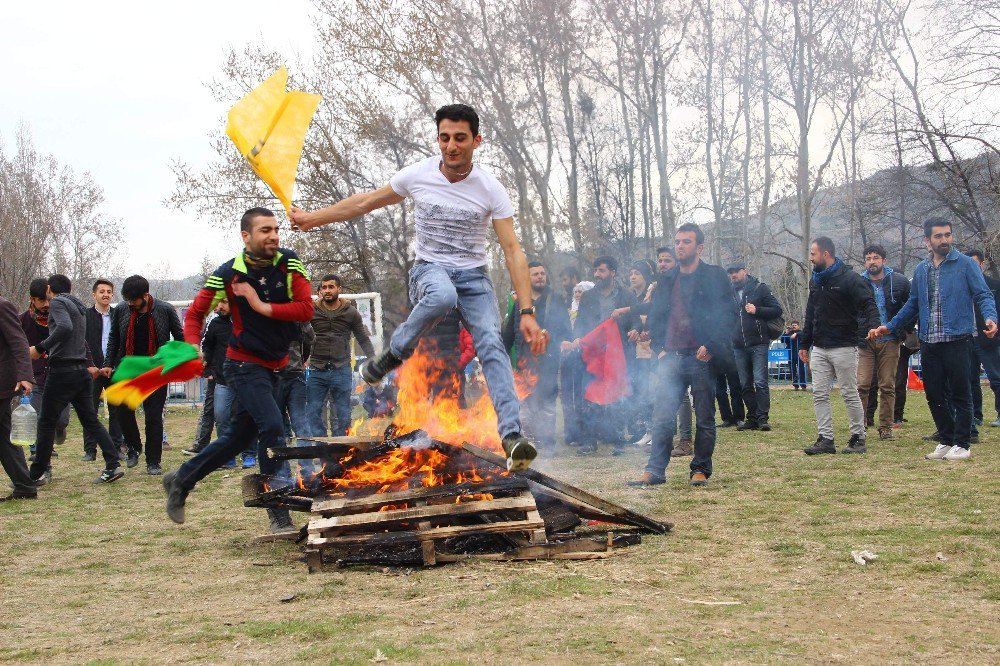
x=268, y=291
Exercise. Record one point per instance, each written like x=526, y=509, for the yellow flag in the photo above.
x=269, y=127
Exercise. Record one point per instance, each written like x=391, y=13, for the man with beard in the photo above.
x=98, y=334
x=597, y=305
x=947, y=288
x=70, y=381
x=455, y=204
x=755, y=305
x=35, y=324
x=538, y=409
x=269, y=293
x=334, y=321
x=140, y=330
x=691, y=321
x=838, y=300
x=878, y=359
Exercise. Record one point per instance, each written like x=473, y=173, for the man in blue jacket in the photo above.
x=946, y=289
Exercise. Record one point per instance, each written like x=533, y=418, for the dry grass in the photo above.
x=98, y=573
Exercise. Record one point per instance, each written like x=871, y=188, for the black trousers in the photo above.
x=70, y=386
x=946, y=370
x=89, y=444
x=12, y=456
x=731, y=407
x=152, y=407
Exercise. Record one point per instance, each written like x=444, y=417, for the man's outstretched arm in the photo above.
x=353, y=206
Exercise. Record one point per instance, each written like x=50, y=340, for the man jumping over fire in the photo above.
x=454, y=202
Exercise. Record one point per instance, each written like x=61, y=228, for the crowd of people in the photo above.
x=680, y=334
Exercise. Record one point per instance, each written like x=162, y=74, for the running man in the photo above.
x=454, y=204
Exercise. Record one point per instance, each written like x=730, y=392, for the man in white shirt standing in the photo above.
x=454, y=204
x=98, y=329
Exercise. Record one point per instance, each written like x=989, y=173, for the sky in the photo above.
x=118, y=89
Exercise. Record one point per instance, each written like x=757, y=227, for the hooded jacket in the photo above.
x=67, y=340
x=841, y=305
x=752, y=330
x=897, y=290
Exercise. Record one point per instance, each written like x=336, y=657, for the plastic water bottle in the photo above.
x=24, y=424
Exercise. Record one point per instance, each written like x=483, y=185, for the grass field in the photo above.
x=98, y=574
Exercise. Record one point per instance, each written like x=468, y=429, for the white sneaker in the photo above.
x=646, y=439
x=939, y=453
x=958, y=453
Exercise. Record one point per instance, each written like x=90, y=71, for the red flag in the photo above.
x=604, y=356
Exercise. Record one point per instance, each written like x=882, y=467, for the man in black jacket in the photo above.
x=15, y=377
x=98, y=333
x=140, y=330
x=755, y=305
x=596, y=306
x=691, y=321
x=985, y=353
x=839, y=299
x=878, y=359
x=538, y=408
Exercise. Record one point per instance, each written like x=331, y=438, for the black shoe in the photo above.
x=132, y=459
x=372, y=370
x=618, y=451
x=747, y=425
x=764, y=426
x=974, y=438
x=17, y=494
x=855, y=445
x=154, y=470
x=193, y=451
x=822, y=445
x=44, y=480
x=89, y=456
x=520, y=452
x=110, y=475
x=280, y=521
x=726, y=424
x=586, y=449
x=935, y=437
x=175, y=497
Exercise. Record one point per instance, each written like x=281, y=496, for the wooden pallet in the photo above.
x=424, y=516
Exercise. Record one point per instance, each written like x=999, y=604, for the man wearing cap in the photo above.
x=755, y=305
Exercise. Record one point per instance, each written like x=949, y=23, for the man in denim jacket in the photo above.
x=946, y=287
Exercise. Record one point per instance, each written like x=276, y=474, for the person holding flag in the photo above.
x=268, y=291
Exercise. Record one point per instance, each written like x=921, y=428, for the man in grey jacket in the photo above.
x=70, y=381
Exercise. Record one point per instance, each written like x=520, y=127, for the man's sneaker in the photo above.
x=520, y=452
x=978, y=422
x=855, y=445
x=44, y=480
x=939, y=452
x=110, y=475
x=249, y=461
x=822, y=445
x=193, y=451
x=132, y=459
x=645, y=440
x=646, y=479
x=154, y=470
x=684, y=447
x=958, y=453
x=372, y=370
x=899, y=424
x=933, y=437
x=974, y=438
x=995, y=424
x=586, y=449
x=698, y=479
x=229, y=465
x=726, y=424
x=175, y=497
x=618, y=451
x=764, y=426
x=747, y=425
x=89, y=456
x=280, y=521
x=885, y=433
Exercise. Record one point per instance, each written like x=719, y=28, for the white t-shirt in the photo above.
x=452, y=219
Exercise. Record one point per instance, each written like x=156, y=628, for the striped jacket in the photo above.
x=255, y=337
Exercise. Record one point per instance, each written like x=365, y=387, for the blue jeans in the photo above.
x=257, y=417
x=222, y=408
x=292, y=404
x=751, y=364
x=437, y=290
x=989, y=359
x=338, y=384
x=674, y=374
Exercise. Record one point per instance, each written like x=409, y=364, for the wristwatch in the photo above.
x=528, y=311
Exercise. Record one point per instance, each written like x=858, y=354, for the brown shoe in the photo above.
x=885, y=433
x=684, y=447
x=698, y=479
x=646, y=479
